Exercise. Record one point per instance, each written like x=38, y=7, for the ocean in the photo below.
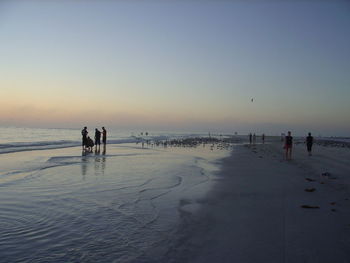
x=13, y=139
x=125, y=202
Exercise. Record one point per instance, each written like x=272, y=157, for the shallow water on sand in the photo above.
x=119, y=205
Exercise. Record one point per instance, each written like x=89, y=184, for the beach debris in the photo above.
x=332, y=203
x=310, y=206
x=310, y=190
x=310, y=180
x=329, y=175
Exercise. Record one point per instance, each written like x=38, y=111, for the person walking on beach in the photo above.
x=104, y=136
x=288, y=146
x=250, y=138
x=97, y=138
x=263, y=138
x=309, y=142
x=254, y=138
x=84, y=134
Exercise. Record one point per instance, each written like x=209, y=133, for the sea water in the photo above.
x=121, y=203
x=13, y=139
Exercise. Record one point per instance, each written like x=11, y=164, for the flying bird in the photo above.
x=252, y=99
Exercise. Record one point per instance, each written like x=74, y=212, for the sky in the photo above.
x=177, y=65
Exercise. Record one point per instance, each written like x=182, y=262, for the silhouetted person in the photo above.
x=89, y=143
x=309, y=142
x=288, y=145
x=250, y=138
x=254, y=138
x=263, y=138
x=97, y=138
x=104, y=135
x=84, y=133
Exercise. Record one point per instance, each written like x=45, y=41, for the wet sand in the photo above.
x=267, y=209
x=119, y=205
x=159, y=204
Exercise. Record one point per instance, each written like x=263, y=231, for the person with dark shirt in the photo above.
x=250, y=138
x=97, y=137
x=263, y=138
x=84, y=133
x=288, y=145
x=89, y=143
x=309, y=142
x=104, y=135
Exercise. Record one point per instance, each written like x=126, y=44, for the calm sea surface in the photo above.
x=122, y=203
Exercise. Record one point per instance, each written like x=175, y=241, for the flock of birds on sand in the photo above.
x=220, y=142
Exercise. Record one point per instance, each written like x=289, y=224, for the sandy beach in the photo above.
x=190, y=103
x=255, y=213
x=182, y=203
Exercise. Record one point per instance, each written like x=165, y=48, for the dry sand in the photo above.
x=255, y=213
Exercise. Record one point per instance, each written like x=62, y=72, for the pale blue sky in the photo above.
x=185, y=65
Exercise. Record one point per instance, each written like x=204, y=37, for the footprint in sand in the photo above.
x=310, y=206
x=310, y=180
x=310, y=190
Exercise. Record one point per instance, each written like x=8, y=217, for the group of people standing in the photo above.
x=252, y=138
x=88, y=143
x=288, y=144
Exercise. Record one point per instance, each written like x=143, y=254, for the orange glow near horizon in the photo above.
x=124, y=67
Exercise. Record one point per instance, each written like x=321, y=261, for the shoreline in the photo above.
x=254, y=213
x=248, y=209
x=122, y=204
